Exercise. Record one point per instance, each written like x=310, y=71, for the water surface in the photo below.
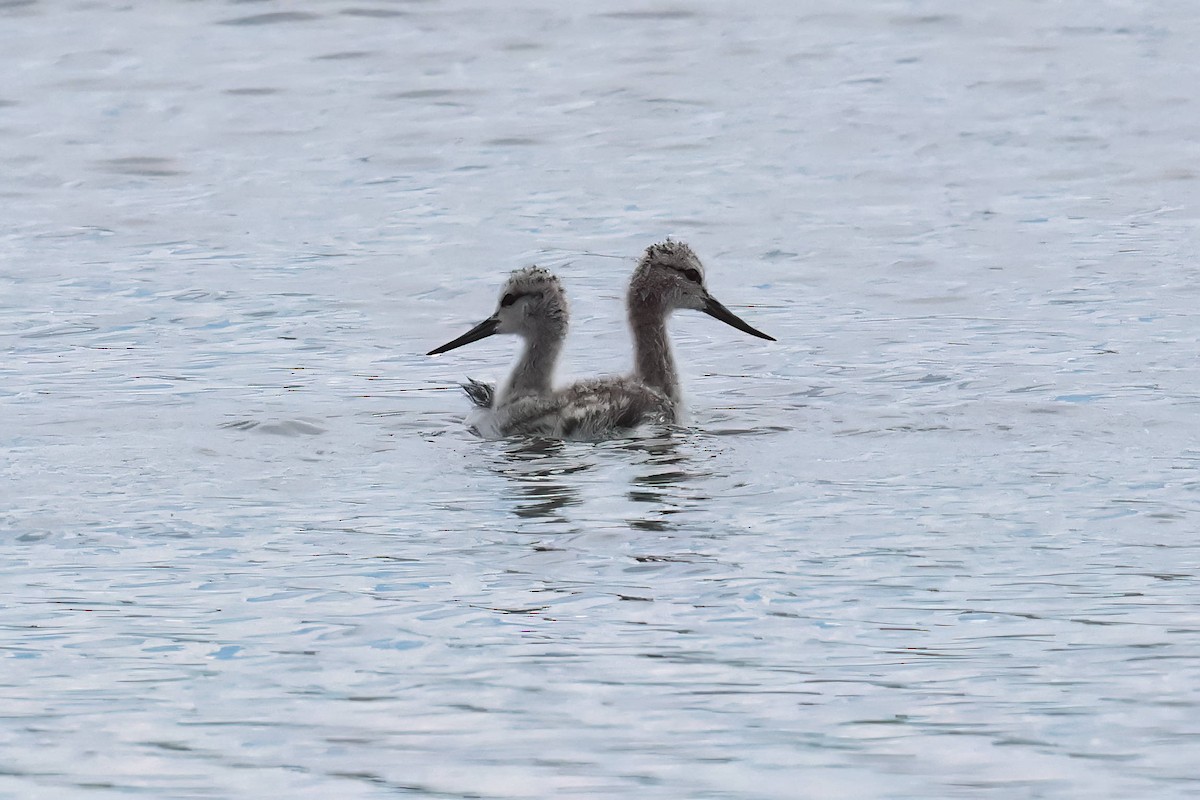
x=933, y=542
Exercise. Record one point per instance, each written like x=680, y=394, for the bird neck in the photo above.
x=534, y=371
x=653, y=362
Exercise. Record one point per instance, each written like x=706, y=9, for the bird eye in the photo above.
x=692, y=275
x=508, y=300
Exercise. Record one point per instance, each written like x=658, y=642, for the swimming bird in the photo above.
x=533, y=306
x=669, y=277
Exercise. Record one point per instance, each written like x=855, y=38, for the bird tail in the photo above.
x=482, y=394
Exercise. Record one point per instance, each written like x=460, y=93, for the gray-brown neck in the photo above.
x=653, y=363
x=534, y=371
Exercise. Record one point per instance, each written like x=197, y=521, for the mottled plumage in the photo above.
x=533, y=306
x=588, y=410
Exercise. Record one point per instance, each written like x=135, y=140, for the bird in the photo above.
x=533, y=306
x=669, y=276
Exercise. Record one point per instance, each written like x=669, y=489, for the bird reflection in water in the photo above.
x=549, y=476
x=536, y=466
x=661, y=481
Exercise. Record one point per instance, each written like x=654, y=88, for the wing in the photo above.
x=603, y=407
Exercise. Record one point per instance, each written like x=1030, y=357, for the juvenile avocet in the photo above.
x=534, y=306
x=669, y=277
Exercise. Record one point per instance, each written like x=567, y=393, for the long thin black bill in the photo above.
x=715, y=309
x=480, y=331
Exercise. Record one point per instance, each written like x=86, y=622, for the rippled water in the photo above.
x=939, y=540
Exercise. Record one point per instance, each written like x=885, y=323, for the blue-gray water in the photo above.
x=938, y=541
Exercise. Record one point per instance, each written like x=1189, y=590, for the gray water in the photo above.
x=938, y=541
